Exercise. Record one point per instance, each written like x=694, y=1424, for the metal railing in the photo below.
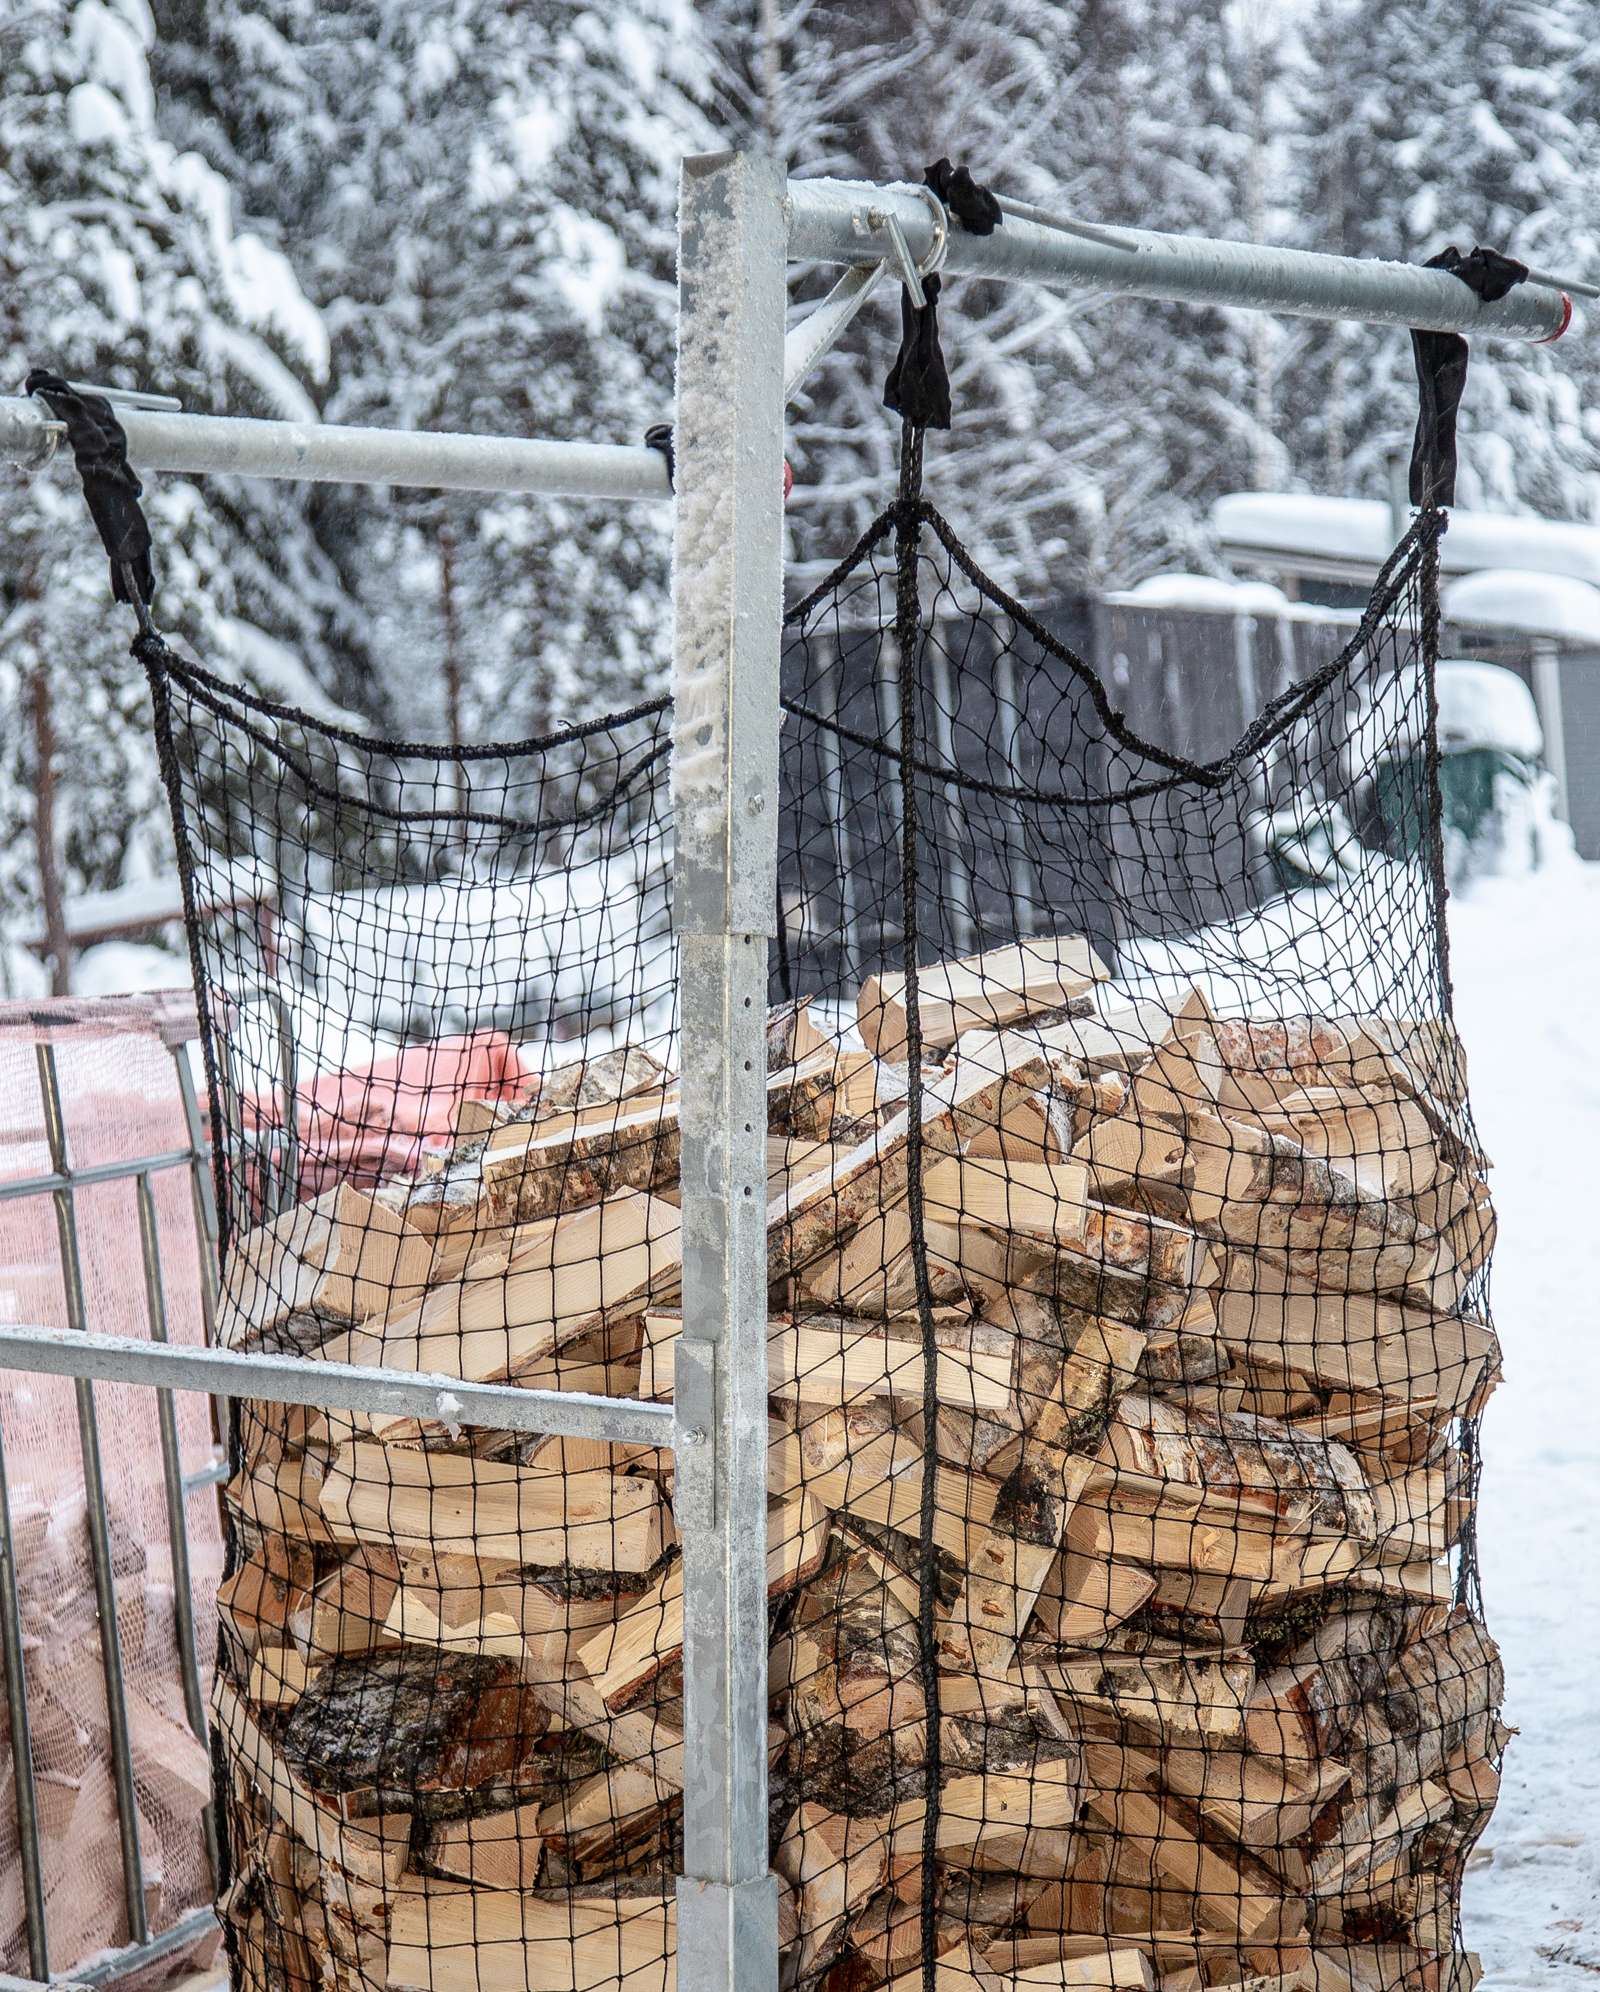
x=76, y=1351
x=741, y=226
x=61, y=1183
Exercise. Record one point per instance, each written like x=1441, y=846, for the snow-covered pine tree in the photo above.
x=119, y=264
x=1464, y=121
x=1176, y=97
x=1090, y=433
x=484, y=211
x=879, y=93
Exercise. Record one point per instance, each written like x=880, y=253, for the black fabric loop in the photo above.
x=113, y=491
x=1441, y=363
x=658, y=437
x=1485, y=272
x=973, y=206
x=918, y=387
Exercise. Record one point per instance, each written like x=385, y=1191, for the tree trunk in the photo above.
x=57, y=945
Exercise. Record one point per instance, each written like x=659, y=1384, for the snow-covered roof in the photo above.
x=152, y=902
x=1218, y=595
x=1485, y=705
x=1533, y=604
x=1312, y=534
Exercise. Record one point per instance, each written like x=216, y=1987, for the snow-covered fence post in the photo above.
x=1546, y=659
x=728, y=609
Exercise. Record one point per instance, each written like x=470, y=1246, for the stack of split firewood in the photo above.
x=1201, y=1307
x=71, y=1748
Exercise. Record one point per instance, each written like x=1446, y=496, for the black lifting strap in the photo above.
x=918, y=387
x=1441, y=362
x=100, y=450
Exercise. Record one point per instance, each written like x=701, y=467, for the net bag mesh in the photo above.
x=1128, y=1243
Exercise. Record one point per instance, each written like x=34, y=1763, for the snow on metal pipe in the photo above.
x=828, y=223
x=320, y=454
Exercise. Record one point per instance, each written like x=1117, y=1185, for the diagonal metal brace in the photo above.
x=805, y=344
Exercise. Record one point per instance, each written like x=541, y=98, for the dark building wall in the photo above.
x=1187, y=682
x=1580, y=713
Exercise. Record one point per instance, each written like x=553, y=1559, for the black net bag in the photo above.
x=1133, y=1324
x=1128, y=1251
x=438, y=993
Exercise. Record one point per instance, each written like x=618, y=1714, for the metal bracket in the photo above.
x=804, y=344
x=130, y=397
x=880, y=222
x=694, y=1403
x=1086, y=231
x=734, y=1920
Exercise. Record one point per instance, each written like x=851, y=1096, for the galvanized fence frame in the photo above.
x=740, y=224
x=61, y=1184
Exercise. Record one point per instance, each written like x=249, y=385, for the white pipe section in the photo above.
x=1552, y=721
x=828, y=224
x=829, y=221
x=319, y=454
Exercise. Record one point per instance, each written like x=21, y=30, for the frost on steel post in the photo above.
x=727, y=552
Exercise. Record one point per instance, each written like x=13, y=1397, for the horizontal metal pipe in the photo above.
x=107, y=1967
x=326, y=454
x=96, y=1172
x=500, y=1407
x=828, y=224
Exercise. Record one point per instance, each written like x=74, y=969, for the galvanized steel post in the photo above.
x=728, y=614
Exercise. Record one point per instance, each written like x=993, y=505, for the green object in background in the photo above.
x=1469, y=792
x=1490, y=748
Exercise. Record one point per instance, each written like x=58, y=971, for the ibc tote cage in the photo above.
x=741, y=226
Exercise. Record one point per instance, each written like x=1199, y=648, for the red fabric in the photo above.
x=364, y=1124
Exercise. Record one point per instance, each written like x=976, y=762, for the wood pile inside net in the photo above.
x=1208, y=1713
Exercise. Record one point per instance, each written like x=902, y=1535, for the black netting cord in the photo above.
x=908, y=518
x=1468, y=1587
x=1404, y=566
x=1428, y=642
x=153, y=653
x=223, y=697
x=785, y=966
x=224, y=701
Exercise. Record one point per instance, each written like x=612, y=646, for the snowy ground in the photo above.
x=1526, y=958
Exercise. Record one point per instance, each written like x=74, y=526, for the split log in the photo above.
x=549, y=1283
x=997, y=990
x=1009, y=1560
x=1200, y=1334
x=447, y=1938
x=624, y=1656
x=453, y=1504
x=988, y=1073
x=834, y=1360
x=376, y=1850
x=1353, y=1341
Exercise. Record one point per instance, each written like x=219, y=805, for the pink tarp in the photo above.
x=365, y=1124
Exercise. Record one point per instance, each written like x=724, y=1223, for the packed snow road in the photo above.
x=1526, y=961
